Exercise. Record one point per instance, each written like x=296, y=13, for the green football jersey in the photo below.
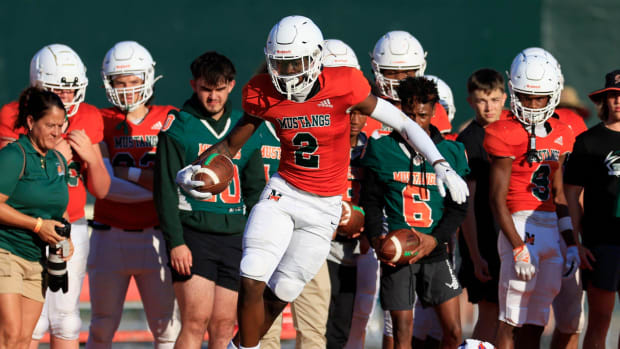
x=270, y=149
x=196, y=135
x=412, y=197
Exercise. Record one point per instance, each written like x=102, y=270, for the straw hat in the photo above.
x=570, y=99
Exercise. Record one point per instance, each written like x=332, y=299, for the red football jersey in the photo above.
x=572, y=119
x=441, y=120
x=88, y=119
x=136, y=148
x=530, y=184
x=314, y=135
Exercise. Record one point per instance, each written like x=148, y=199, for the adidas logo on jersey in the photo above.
x=325, y=103
x=559, y=141
x=158, y=125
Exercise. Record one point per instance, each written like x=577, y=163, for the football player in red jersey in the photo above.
x=397, y=55
x=59, y=69
x=527, y=153
x=286, y=240
x=125, y=240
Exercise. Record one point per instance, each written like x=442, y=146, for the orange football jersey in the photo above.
x=572, y=119
x=441, y=120
x=131, y=147
x=88, y=119
x=314, y=135
x=530, y=184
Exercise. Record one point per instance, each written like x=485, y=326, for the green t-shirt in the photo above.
x=40, y=192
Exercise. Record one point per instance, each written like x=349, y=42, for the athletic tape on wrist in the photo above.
x=565, y=223
x=134, y=174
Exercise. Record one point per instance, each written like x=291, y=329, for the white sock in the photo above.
x=256, y=347
x=231, y=345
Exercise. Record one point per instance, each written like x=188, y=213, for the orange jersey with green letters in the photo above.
x=130, y=146
x=530, y=185
x=314, y=135
x=88, y=118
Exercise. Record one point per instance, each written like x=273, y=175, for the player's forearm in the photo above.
x=124, y=191
x=98, y=179
x=253, y=179
x=234, y=141
x=411, y=131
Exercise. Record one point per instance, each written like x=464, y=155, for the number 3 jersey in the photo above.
x=314, y=135
x=130, y=145
x=530, y=184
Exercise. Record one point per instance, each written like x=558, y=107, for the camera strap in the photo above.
x=21, y=173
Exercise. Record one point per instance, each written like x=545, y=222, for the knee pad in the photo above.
x=42, y=326
x=287, y=289
x=254, y=266
x=65, y=325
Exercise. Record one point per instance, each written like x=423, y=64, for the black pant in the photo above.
x=344, y=283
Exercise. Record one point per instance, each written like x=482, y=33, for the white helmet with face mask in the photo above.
x=534, y=74
x=128, y=58
x=446, y=99
x=294, y=54
x=396, y=50
x=58, y=67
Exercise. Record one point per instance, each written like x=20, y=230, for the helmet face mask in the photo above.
x=58, y=68
x=396, y=51
x=537, y=76
x=128, y=59
x=294, y=54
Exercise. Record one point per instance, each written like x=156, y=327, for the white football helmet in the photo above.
x=446, y=99
x=294, y=54
x=475, y=344
x=537, y=51
x=397, y=50
x=534, y=75
x=338, y=54
x=128, y=58
x=58, y=67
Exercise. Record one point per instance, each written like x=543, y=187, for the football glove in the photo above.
x=184, y=180
x=572, y=262
x=523, y=263
x=446, y=175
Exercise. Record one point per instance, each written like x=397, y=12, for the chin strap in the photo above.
x=532, y=155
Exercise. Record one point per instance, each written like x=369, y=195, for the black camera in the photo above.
x=56, y=267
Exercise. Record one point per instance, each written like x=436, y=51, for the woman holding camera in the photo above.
x=33, y=197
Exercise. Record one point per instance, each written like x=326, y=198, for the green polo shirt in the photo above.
x=40, y=192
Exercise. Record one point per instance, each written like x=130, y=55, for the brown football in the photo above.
x=216, y=172
x=353, y=225
x=398, y=246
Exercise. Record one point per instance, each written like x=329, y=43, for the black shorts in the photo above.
x=606, y=270
x=433, y=282
x=477, y=290
x=215, y=257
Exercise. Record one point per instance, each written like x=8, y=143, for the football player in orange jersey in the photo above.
x=59, y=69
x=527, y=153
x=286, y=240
x=125, y=241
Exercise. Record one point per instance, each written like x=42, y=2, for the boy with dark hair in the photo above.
x=204, y=232
x=401, y=181
x=479, y=272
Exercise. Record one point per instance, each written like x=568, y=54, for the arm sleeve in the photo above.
x=124, y=191
x=373, y=201
x=409, y=130
x=253, y=179
x=169, y=159
x=453, y=215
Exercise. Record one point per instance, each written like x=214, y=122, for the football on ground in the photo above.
x=397, y=246
x=352, y=220
x=216, y=172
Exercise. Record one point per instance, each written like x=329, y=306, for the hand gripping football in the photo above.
x=398, y=246
x=352, y=220
x=216, y=172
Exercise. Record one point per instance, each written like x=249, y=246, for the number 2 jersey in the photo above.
x=530, y=184
x=314, y=135
x=87, y=118
x=130, y=145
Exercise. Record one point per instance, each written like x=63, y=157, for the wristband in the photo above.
x=37, y=228
x=134, y=174
x=564, y=224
